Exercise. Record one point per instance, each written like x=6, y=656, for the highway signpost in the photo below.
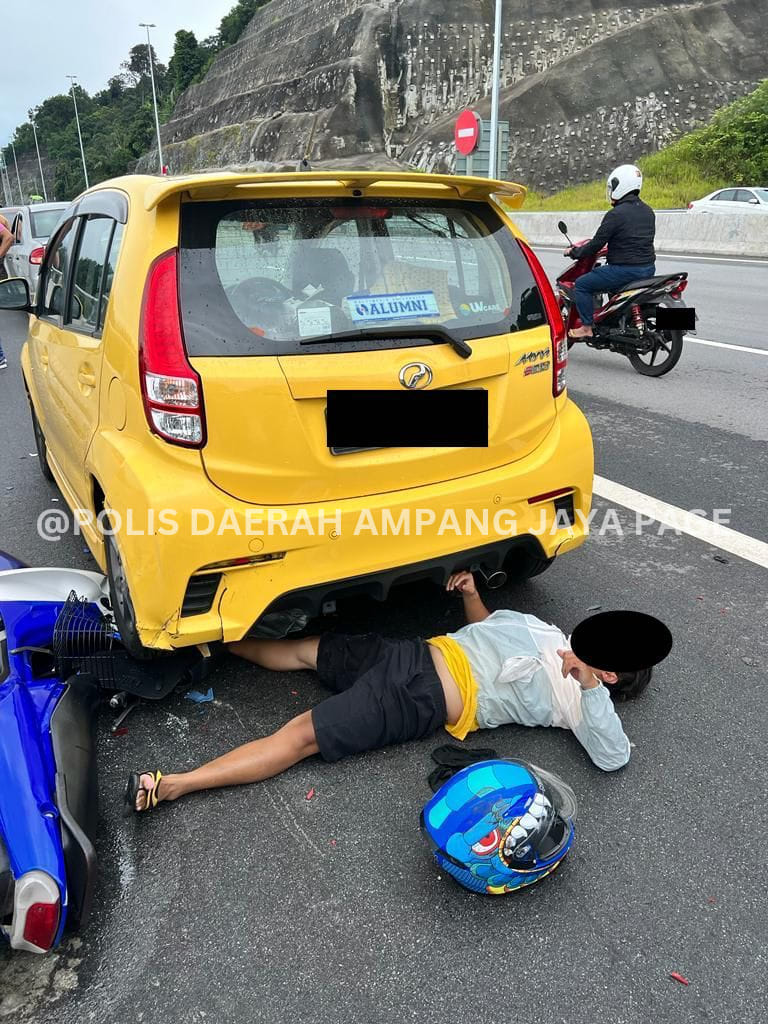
x=472, y=137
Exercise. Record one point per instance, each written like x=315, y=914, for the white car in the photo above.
x=31, y=227
x=732, y=200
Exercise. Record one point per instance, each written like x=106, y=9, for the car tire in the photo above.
x=122, y=604
x=40, y=445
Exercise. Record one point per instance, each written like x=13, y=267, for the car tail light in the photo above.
x=36, y=912
x=171, y=389
x=555, y=318
x=690, y=206
x=36, y=256
x=678, y=290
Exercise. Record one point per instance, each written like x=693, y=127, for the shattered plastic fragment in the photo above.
x=199, y=698
x=310, y=794
x=679, y=977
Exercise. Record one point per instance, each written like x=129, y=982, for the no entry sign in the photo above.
x=467, y=132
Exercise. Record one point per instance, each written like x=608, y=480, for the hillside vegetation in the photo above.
x=118, y=122
x=732, y=149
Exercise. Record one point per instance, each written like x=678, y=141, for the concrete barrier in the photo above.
x=711, y=234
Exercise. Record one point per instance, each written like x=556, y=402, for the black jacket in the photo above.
x=629, y=229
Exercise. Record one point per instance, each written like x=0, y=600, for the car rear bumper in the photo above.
x=338, y=542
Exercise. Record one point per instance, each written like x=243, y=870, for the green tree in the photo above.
x=233, y=25
x=187, y=60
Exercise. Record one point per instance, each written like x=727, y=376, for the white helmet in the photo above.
x=622, y=180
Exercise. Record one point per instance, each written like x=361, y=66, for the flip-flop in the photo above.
x=134, y=787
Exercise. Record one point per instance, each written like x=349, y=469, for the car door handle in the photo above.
x=86, y=378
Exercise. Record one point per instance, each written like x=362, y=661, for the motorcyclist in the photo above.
x=628, y=229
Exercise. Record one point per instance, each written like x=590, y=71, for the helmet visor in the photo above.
x=560, y=793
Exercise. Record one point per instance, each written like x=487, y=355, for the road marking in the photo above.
x=719, y=536
x=681, y=256
x=724, y=344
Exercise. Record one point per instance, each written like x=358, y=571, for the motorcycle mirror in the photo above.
x=562, y=227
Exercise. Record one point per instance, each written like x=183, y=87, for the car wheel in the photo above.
x=40, y=445
x=122, y=604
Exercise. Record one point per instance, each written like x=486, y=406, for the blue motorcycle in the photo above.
x=59, y=653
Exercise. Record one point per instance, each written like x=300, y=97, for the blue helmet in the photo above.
x=500, y=825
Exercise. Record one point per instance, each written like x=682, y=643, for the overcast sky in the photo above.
x=44, y=41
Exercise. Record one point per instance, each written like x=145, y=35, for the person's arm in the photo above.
x=6, y=240
x=464, y=582
x=600, y=731
x=602, y=237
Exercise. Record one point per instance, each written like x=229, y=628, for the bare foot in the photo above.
x=581, y=332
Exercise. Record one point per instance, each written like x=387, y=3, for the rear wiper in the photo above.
x=435, y=334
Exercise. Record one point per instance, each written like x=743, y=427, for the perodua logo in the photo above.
x=415, y=375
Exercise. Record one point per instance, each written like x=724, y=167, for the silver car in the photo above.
x=31, y=227
x=732, y=200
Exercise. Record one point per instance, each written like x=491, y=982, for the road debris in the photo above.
x=199, y=698
x=678, y=977
x=310, y=794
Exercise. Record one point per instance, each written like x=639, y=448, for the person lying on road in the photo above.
x=502, y=667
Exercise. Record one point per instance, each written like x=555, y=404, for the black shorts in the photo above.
x=384, y=691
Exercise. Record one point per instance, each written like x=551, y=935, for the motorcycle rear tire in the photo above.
x=675, y=339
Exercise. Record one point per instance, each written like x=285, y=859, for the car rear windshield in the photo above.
x=273, y=278
x=44, y=221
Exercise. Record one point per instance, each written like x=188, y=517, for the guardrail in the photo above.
x=710, y=234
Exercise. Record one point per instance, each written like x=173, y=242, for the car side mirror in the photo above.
x=754, y=202
x=14, y=294
x=562, y=227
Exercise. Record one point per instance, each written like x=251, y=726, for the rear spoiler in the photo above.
x=370, y=183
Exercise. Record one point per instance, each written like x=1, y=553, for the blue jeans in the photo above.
x=608, y=278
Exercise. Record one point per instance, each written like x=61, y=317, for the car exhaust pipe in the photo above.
x=493, y=578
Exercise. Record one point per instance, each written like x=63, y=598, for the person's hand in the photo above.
x=464, y=582
x=581, y=672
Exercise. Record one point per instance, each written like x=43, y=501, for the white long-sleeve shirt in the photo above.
x=514, y=661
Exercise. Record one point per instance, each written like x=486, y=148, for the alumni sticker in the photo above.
x=394, y=306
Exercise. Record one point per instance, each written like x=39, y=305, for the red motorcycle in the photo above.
x=627, y=322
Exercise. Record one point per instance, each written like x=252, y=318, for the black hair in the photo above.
x=629, y=685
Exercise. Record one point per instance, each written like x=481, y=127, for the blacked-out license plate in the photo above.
x=407, y=419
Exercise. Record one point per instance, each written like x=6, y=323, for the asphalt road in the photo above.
x=260, y=905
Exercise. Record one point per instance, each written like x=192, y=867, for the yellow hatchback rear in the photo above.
x=241, y=306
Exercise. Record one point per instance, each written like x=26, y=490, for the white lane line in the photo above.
x=722, y=537
x=725, y=344
x=680, y=256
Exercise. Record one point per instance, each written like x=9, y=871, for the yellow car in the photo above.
x=195, y=362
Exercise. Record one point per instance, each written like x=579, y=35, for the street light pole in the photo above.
x=493, y=153
x=18, y=179
x=79, y=133
x=7, y=191
x=39, y=161
x=148, y=26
